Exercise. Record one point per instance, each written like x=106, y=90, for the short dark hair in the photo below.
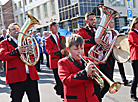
x=88, y=14
x=52, y=23
x=74, y=39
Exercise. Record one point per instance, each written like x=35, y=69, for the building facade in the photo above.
x=7, y=14
x=69, y=14
x=72, y=12
x=43, y=10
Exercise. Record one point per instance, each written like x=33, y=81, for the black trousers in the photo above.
x=37, y=65
x=47, y=58
x=59, y=86
x=135, y=78
x=107, y=69
x=29, y=86
x=41, y=58
x=122, y=72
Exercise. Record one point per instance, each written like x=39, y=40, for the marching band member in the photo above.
x=53, y=48
x=38, y=39
x=20, y=77
x=133, y=47
x=78, y=86
x=4, y=36
x=45, y=35
x=88, y=34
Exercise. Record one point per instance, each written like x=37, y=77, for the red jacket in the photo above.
x=15, y=68
x=133, y=44
x=88, y=37
x=53, y=51
x=78, y=87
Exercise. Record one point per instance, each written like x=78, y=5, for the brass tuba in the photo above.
x=30, y=57
x=103, y=48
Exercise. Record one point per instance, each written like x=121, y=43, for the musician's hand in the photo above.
x=89, y=68
x=62, y=51
x=21, y=49
x=97, y=40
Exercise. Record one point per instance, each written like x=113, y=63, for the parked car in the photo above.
x=124, y=30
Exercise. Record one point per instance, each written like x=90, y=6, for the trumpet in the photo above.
x=114, y=86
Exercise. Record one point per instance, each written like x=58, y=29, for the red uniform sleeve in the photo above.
x=5, y=53
x=71, y=79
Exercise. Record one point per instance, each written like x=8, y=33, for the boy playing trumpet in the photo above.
x=78, y=86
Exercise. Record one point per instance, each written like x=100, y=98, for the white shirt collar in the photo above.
x=15, y=40
x=136, y=30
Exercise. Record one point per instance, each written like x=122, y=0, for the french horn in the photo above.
x=30, y=57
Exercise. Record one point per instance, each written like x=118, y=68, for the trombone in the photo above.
x=114, y=86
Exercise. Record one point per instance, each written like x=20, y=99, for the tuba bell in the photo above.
x=103, y=48
x=30, y=57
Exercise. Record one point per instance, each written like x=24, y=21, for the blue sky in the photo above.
x=3, y=1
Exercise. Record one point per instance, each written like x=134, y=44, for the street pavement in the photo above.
x=47, y=82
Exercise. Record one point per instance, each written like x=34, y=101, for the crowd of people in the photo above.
x=72, y=75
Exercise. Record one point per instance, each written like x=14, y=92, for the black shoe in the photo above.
x=39, y=70
x=127, y=82
x=134, y=98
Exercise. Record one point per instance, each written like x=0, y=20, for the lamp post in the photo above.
x=2, y=18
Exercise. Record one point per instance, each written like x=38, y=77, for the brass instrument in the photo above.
x=121, y=50
x=98, y=78
x=104, y=45
x=114, y=86
x=30, y=57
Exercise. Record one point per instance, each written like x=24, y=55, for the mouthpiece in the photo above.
x=21, y=33
x=93, y=24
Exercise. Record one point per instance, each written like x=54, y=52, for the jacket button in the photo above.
x=23, y=65
x=86, y=98
x=85, y=86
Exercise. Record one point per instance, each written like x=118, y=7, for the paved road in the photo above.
x=47, y=94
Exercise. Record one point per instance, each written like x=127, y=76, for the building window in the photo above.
x=45, y=10
x=25, y=3
x=21, y=15
x=116, y=2
x=131, y=4
x=74, y=23
x=30, y=1
x=74, y=2
x=53, y=11
x=16, y=19
x=89, y=6
x=15, y=7
x=20, y=5
x=32, y=12
x=26, y=12
x=65, y=25
x=38, y=12
x=121, y=22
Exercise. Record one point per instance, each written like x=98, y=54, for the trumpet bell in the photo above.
x=114, y=87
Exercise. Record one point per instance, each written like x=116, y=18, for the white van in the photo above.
x=124, y=30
